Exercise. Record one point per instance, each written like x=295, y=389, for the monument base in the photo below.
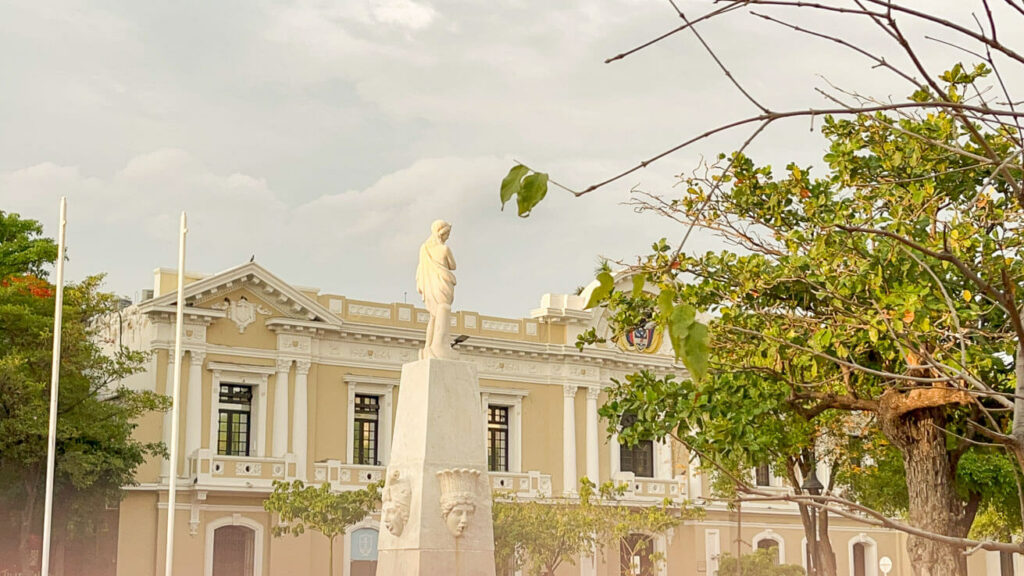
x=437, y=498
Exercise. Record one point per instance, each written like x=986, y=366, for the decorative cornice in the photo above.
x=281, y=324
x=259, y=280
x=360, y=379
x=241, y=368
x=191, y=314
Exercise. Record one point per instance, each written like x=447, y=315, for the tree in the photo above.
x=759, y=563
x=541, y=535
x=851, y=297
x=318, y=508
x=885, y=291
x=96, y=454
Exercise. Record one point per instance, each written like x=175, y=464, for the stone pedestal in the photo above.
x=436, y=517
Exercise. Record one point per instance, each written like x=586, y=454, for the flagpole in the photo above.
x=51, y=438
x=172, y=478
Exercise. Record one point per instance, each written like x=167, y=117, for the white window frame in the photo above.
x=870, y=553
x=235, y=520
x=770, y=534
x=383, y=388
x=255, y=376
x=712, y=551
x=512, y=399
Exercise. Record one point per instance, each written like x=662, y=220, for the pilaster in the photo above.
x=279, y=445
x=569, y=439
x=300, y=415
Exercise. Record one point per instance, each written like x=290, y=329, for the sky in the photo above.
x=324, y=136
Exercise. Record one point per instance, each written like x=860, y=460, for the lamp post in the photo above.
x=813, y=486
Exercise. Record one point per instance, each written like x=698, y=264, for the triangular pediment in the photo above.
x=248, y=288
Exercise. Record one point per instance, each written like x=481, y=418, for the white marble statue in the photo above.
x=435, y=281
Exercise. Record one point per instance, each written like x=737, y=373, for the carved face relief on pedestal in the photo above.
x=395, y=499
x=458, y=518
x=458, y=498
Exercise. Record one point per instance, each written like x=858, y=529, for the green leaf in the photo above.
x=695, y=350
x=638, y=284
x=607, y=283
x=666, y=300
x=535, y=187
x=679, y=323
x=512, y=183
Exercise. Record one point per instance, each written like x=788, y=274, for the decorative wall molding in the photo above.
x=500, y=326
x=369, y=311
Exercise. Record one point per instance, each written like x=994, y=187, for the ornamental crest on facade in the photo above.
x=641, y=339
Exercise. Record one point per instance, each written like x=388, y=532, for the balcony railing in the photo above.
x=639, y=488
x=208, y=469
x=346, y=476
x=343, y=476
x=530, y=484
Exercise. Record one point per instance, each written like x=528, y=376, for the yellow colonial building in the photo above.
x=281, y=382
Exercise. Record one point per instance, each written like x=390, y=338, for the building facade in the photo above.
x=281, y=382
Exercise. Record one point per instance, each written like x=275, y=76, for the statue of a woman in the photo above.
x=435, y=282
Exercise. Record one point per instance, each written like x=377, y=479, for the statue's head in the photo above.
x=441, y=229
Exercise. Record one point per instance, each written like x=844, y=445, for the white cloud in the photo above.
x=361, y=243
x=404, y=13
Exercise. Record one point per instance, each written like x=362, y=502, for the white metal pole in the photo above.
x=172, y=477
x=51, y=438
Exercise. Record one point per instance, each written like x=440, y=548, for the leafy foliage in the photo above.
x=759, y=563
x=96, y=453
x=877, y=301
x=541, y=535
x=300, y=507
x=527, y=186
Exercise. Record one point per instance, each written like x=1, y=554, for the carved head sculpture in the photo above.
x=395, y=498
x=458, y=498
x=441, y=230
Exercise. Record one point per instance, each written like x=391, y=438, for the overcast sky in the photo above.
x=324, y=136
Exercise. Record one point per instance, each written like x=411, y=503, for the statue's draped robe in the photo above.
x=433, y=278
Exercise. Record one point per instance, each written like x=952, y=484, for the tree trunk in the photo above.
x=330, y=556
x=28, y=521
x=826, y=556
x=930, y=468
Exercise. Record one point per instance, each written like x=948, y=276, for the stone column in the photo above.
x=589, y=566
x=613, y=455
x=569, y=439
x=194, y=407
x=280, y=444
x=593, y=468
x=261, y=417
x=165, y=464
x=300, y=423
x=485, y=399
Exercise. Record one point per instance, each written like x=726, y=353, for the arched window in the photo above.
x=363, y=552
x=234, y=547
x=234, y=551
x=769, y=540
x=863, y=556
